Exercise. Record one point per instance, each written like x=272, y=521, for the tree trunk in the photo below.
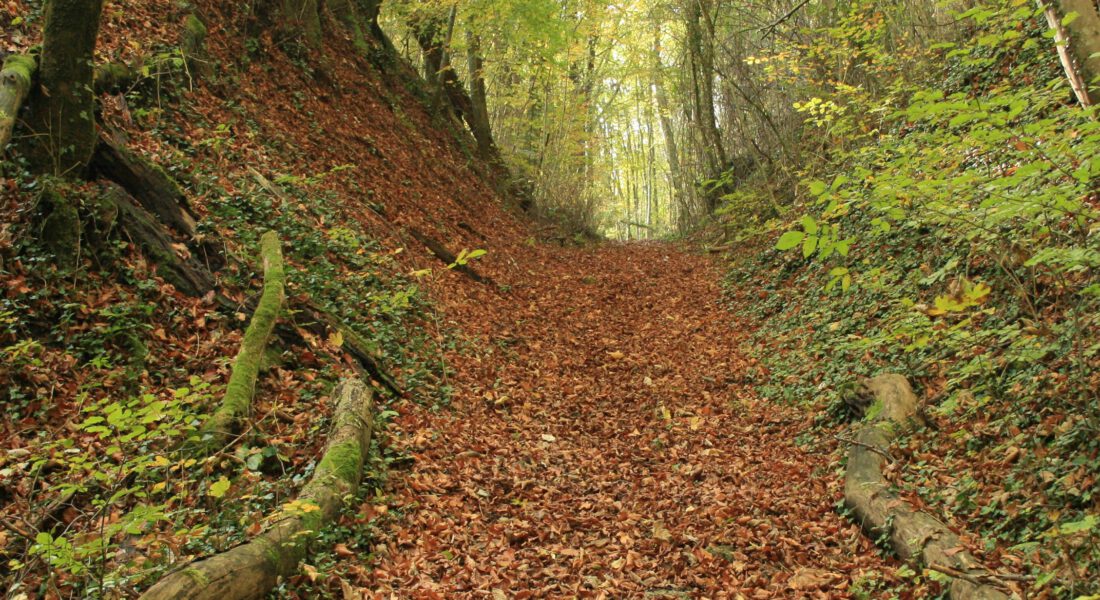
x=15, y=83
x=1078, y=44
x=479, y=109
x=253, y=569
x=63, y=105
x=303, y=17
x=700, y=46
x=914, y=535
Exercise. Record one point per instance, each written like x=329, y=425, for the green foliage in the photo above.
x=133, y=481
x=950, y=233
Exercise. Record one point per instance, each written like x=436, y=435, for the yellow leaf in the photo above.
x=336, y=339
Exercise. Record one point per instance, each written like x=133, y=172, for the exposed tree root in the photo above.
x=448, y=257
x=914, y=535
x=143, y=228
x=252, y=569
x=237, y=401
x=157, y=192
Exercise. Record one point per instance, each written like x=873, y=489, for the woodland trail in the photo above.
x=603, y=442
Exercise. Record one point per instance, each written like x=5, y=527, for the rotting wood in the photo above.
x=158, y=192
x=237, y=401
x=146, y=231
x=146, y=182
x=254, y=568
x=16, y=76
x=914, y=535
x=448, y=258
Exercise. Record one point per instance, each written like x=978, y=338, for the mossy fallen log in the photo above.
x=16, y=76
x=254, y=568
x=447, y=257
x=237, y=401
x=915, y=536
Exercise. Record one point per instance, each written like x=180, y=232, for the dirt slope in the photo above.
x=603, y=443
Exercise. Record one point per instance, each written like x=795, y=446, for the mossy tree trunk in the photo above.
x=63, y=105
x=253, y=569
x=303, y=17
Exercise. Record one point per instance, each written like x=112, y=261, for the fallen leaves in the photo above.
x=675, y=481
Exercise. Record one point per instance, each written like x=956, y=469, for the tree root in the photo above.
x=914, y=535
x=447, y=257
x=254, y=568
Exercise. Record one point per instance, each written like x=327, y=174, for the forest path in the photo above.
x=603, y=442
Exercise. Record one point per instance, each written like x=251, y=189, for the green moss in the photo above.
x=197, y=576
x=60, y=229
x=194, y=29
x=21, y=66
x=246, y=367
x=344, y=460
x=874, y=410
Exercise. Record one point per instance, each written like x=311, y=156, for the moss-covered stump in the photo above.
x=915, y=536
x=193, y=45
x=253, y=569
x=114, y=77
x=237, y=401
x=16, y=76
x=59, y=225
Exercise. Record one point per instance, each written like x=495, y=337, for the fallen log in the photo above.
x=354, y=344
x=448, y=257
x=916, y=536
x=237, y=401
x=16, y=75
x=254, y=568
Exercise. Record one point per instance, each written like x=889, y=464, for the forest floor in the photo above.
x=604, y=440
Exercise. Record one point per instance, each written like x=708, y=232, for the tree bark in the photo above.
x=479, y=108
x=1078, y=44
x=914, y=535
x=63, y=105
x=16, y=76
x=701, y=50
x=253, y=569
x=303, y=18
x=237, y=401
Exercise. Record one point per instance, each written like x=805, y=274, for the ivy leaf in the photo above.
x=218, y=488
x=789, y=240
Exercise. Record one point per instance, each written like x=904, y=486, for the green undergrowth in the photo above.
x=108, y=371
x=958, y=245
